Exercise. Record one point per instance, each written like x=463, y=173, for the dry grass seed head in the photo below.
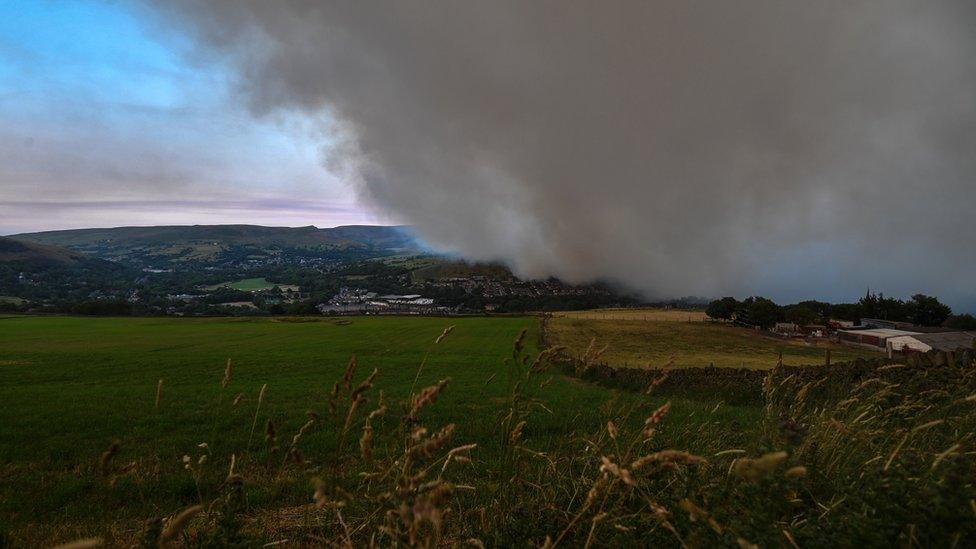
x=81, y=544
x=270, y=434
x=516, y=433
x=366, y=440
x=519, y=343
x=350, y=371
x=177, y=524
x=651, y=422
x=105, y=461
x=297, y=456
x=655, y=384
x=457, y=455
x=444, y=334
x=668, y=457
x=425, y=449
x=159, y=392
x=364, y=386
x=796, y=472
x=228, y=371
x=755, y=469
x=544, y=359
x=334, y=399
x=233, y=463
x=697, y=514
x=301, y=432
x=608, y=466
x=745, y=544
x=426, y=397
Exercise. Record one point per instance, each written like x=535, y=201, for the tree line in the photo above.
x=920, y=309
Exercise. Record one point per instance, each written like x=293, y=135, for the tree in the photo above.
x=114, y=307
x=724, y=308
x=847, y=311
x=303, y=308
x=885, y=308
x=925, y=310
x=801, y=315
x=760, y=311
x=965, y=322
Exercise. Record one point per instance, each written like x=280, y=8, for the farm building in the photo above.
x=878, y=323
x=874, y=338
x=815, y=330
x=922, y=343
x=791, y=329
x=786, y=328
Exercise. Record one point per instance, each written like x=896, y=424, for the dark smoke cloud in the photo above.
x=792, y=148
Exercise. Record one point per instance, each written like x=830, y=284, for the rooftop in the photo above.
x=880, y=332
x=948, y=341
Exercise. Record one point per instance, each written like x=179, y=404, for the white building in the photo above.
x=939, y=341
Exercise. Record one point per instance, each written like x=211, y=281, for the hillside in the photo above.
x=39, y=273
x=32, y=253
x=441, y=268
x=211, y=242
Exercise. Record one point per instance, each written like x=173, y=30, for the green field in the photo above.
x=544, y=439
x=247, y=285
x=71, y=386
x=656, y=343
x=110, y=367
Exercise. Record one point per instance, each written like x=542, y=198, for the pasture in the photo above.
x=71, y=386
x=644, y=314
x=253, y=285
x=638, y=343
x=293, y=445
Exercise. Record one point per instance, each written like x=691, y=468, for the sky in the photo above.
x=786, y=148
x=108, y=119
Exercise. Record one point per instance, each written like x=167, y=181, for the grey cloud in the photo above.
x=804, y=149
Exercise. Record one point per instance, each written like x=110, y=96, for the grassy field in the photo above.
x=658, y=343
x=72, y=386
x=110, y=368
x=510, y=452
x=252, y=285
x=657, y=315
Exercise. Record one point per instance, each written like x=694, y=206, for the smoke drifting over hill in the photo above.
x=793, y=148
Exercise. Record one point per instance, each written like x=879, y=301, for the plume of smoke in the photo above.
x=792, y=148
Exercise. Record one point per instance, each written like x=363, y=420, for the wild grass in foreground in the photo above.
x=873, y=456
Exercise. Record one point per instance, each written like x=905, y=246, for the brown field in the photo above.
x=663, y=343
x=655, y=315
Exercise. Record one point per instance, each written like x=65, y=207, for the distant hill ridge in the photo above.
x=159, y=245
x=369, y=236
x=32, y=253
